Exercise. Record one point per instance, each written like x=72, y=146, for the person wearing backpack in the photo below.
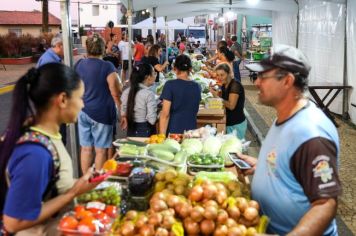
x=36, y=170
x=237, y=50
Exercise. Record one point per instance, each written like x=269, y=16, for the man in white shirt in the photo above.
x=124, y=50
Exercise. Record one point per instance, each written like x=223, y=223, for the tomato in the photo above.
x=68, y=223
x=79, y=208
x=87, y=225
x=111, y=211
x=83, y=214
x=94, y=210
x=103, y=218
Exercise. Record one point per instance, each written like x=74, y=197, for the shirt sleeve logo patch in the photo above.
x=322, y=168
x=271, y=162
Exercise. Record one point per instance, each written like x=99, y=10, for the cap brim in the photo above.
x=258, y=67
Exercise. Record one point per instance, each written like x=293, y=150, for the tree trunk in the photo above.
x=45, y=16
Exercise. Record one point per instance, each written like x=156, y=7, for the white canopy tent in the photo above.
x=160, y=24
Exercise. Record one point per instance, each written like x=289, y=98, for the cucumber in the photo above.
x=161, y=146
x=180, y=157
x=162, y=154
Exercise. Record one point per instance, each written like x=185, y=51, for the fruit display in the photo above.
x=206, y=208
x=92, y=219
x=214, y=103
x=177, y=137
x=109, y=196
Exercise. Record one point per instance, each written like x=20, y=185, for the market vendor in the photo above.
x=181, y=98
x=34, y=161
x=296, y=177
x=233, y=95
x=153, y=59
x=139, y=106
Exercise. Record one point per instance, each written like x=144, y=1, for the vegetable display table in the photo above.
x=214, y=117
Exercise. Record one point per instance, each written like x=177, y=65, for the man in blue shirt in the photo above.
x=53, y=54
x=296, y=176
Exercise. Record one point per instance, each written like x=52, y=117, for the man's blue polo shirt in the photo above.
x=48, y=57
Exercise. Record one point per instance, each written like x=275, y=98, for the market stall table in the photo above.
x=332, y=90
x=214, y=117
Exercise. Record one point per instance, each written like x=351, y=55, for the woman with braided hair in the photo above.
x=139, y=107
x=36, y=170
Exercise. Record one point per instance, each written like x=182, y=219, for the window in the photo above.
x=17, y=31
x=95, y=10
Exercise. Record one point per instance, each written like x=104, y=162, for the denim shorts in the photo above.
x=92, y=133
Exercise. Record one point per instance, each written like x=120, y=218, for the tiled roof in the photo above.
x=26, y=18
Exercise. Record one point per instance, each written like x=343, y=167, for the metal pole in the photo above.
x=345, y=97
x=167, y=41
x=68, y=60
x=298, y=21
x=78, y=19
x=129, y=29
x=154, y=25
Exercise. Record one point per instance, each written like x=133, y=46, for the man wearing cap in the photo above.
x=296, y=174
x=53, y=54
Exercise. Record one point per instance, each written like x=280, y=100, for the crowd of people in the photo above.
x=290, y=171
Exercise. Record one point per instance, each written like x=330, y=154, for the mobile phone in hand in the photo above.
x=243, y=165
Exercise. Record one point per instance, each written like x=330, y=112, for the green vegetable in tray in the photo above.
x=223, y=176
x=162, y=154
x=206, y=159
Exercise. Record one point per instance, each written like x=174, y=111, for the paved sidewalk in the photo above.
x=263, y=117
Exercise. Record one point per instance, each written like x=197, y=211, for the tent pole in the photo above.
x=345, y=99
x=154, y=25
x=129, y=29
x=298, y=21
x=68, y=60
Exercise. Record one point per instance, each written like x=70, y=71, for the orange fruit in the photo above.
x=110, y=165
x=111, y=211
x=87, y=225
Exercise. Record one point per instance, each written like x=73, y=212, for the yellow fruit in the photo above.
x=162, y=136
x=154, y=137
x=110, y=165
x=160, y=140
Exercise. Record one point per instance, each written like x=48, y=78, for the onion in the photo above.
x=209, y=191
x=221, y=230
x=158, y=205
x=173, y=200
x=197, y=213
x=232, y=185
x=211, y=212
x=248, y=223
x=196, y=194
x=254, y=204
x=168, y=221
x=250, y=213
x=207, y=226
x=183, y=209
x=220, y=187
x=207, y=182
x=241, y=203
x=234, y=212
x=242, y=228
x=147, y=230
x=155, y=219
x=131, y=215
x=160, y=195
x=179, y=189
x=211, y=203
x=128, y=228
x=230, y=223
x=221, y=196
x=161, y=232
x=191, y=227
x=222, y=217
x=234, y=231
x=142, y=220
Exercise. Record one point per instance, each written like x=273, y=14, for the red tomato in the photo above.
x=68, y=223
x=103, y=218
x=83, y=214
x=79, y=208
x=94, y=210
x=87, y=225
x=111, y=210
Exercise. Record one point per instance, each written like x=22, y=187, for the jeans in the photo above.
x=142, y=129
x=236, y=68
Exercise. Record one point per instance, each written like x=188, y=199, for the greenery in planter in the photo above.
x=13, y=46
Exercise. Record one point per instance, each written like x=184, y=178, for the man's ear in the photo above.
x=289, y=80
x=62, y=100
